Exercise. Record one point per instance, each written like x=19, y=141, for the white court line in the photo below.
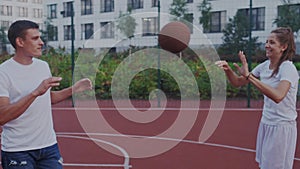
x=93, y=165
x=144, y=109
x=125, y=154
x=169, y=139
x=163, y=138
x=167, y=108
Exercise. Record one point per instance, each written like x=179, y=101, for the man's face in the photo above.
x=32, y=44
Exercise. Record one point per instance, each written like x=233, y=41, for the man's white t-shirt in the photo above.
x=34, y=128
x=274, y=113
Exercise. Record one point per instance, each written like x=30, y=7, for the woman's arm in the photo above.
x=277, y=94
x=233, y=78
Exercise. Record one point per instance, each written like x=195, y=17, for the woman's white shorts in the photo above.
x=276, y=145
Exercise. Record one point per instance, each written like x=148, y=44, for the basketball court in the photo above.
x=231, y=146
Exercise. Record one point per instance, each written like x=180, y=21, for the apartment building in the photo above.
x=11, y=10
x=95, y=20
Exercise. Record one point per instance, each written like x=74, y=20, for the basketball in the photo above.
x=174, y=37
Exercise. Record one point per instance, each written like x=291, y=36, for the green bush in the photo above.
x=60, y=65
x=143, y=82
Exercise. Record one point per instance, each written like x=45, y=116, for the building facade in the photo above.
x=11, y=10
x=95, y=21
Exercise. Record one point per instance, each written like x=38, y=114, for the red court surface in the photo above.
x=231, y=146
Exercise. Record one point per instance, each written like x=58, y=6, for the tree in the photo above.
x=126, y=24
x=3, y=40
x=50, y=32
x=288, y=15
x=235, y=36
x=204, y=19
x=179, y=9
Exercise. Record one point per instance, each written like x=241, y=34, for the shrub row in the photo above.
x=207, y=76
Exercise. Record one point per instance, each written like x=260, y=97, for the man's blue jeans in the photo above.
x=45, y=158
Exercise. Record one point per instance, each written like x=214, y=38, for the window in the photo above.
x=150, y=26
x=87, y=31
x=68, y=9
x=52, y=33
x=135, y=4
x=67, y=32
x=189, y=1
x=6, y=10
x=23, y=12
x=291, y=11
x=52, y=10
x=293, y=7
x=5, y=24
x=258, y=17
x=107, y=30
x=217, y=22
x=190, y=18
x=37, y=13
x=106, y=5
x=86, y=7
x=37, y=1
x=154, y=3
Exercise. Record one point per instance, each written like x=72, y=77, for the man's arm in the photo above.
x=79, y=86
x=58, y=96
x=10, y=111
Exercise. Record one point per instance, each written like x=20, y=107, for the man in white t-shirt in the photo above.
x=28, y=138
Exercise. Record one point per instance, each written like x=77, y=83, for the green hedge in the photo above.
x=145, y=81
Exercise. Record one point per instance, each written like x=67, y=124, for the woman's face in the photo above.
x=273, y=47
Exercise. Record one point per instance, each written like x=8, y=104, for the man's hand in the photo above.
x=45, y=85
x=82, y=85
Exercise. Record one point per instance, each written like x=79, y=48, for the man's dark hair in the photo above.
x=18, y=29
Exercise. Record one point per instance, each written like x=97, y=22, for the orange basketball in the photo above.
x=174, y=37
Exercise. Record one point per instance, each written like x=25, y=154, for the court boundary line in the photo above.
x=169, y=139
x=143, y=108
x=163, y=138
x=92, y=165
x=126, y=164
x=166, y=108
